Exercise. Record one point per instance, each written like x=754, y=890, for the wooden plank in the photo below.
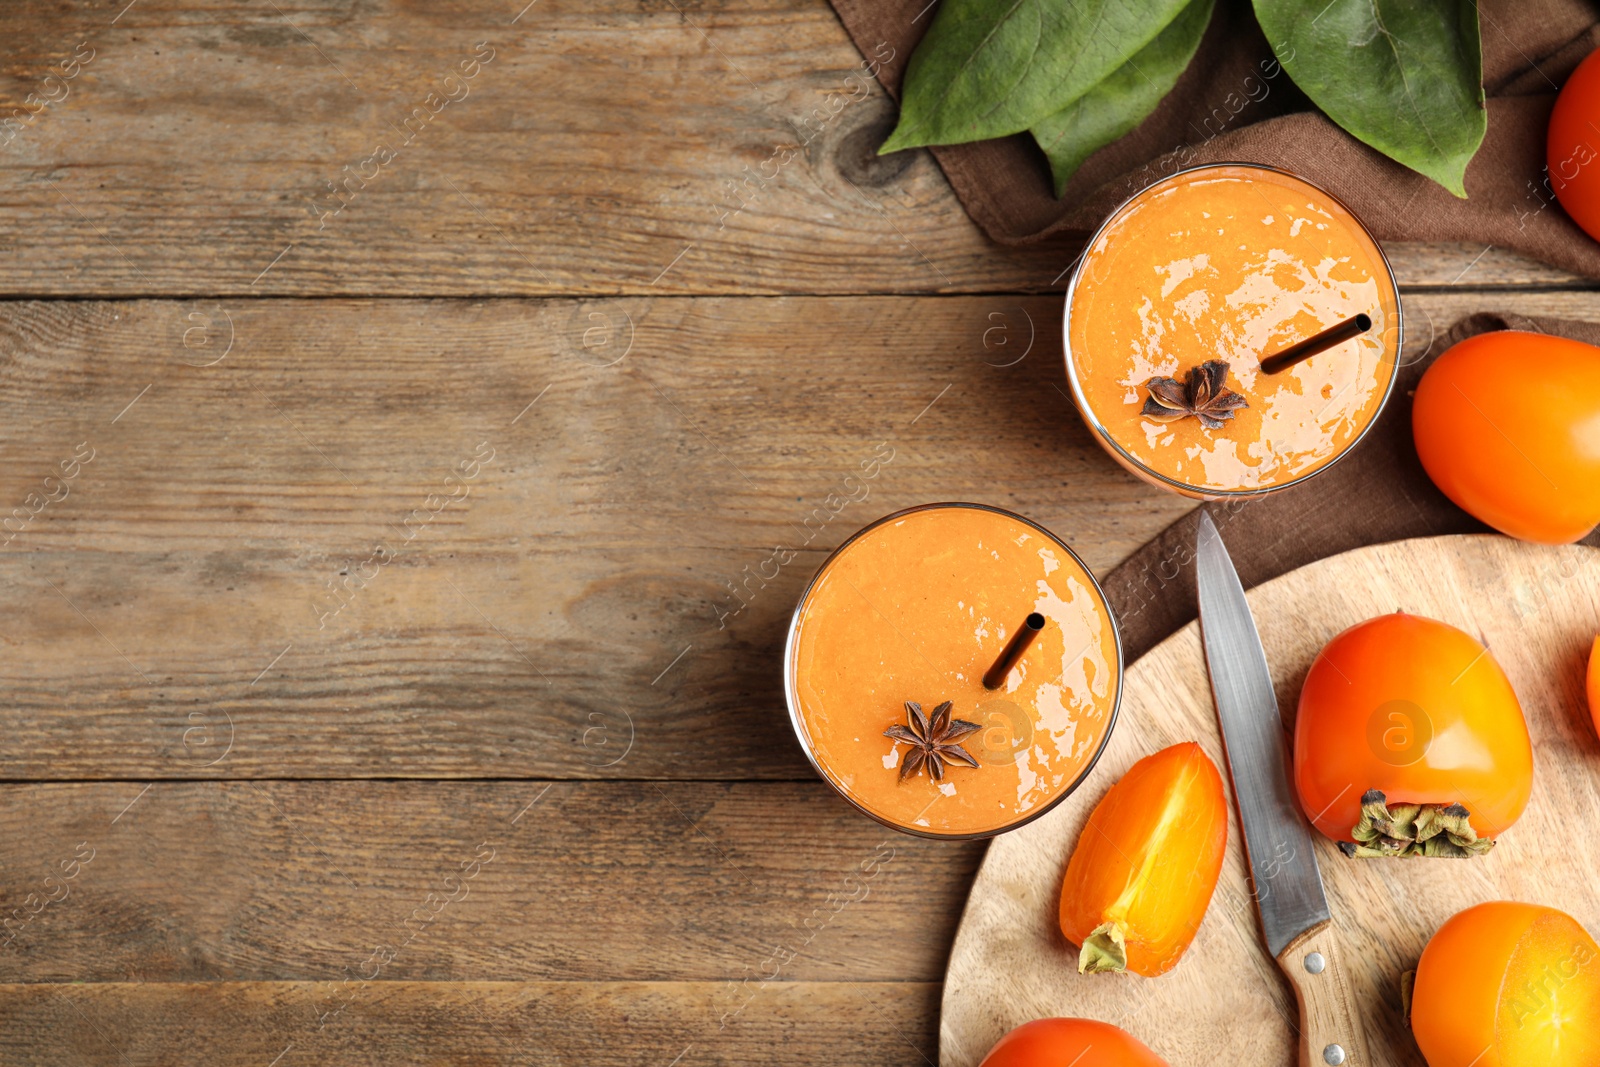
x=1474, y=266
x=602, y=148
x=467, y=881
x=482, y=1023
x=607, y=575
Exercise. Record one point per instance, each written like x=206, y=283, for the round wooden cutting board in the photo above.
x=1536, y=607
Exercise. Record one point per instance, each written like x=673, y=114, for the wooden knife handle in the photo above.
x=1331, y=1034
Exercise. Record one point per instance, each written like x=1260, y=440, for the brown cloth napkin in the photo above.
x=1234, y=103
x=1379, y=492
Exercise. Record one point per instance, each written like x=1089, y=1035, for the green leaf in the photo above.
x=1405, y=76
x=988, y=68
x=1124, y=98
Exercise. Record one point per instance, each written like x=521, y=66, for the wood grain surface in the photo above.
x=1536, y=607
x=502, y=881
x=352, y=501
x=608, y=1024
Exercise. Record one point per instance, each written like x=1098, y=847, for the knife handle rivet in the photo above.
x=1316, y=965
x=1333, y=1055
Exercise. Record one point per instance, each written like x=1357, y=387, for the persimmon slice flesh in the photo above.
x=1145, y=866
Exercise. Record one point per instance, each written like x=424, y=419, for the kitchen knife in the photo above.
x=1283, y=862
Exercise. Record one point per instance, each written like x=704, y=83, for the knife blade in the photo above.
x=1295, y=921
x=1283, y=861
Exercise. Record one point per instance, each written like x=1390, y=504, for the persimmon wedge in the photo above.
x=1508, y=985
x=1144, y=868
x=1070, y=1043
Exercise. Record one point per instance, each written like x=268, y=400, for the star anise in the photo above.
x=1204, y=396
x=933, y=742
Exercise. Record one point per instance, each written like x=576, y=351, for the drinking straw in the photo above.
x=1354, y=326
x=1013, y=651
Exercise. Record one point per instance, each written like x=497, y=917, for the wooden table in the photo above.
x=391, y=632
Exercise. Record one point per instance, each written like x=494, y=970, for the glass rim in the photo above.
x=792, y=701
x=1188, y=488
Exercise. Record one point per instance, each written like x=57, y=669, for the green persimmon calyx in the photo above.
x=1413, y=830
x=1104, y=951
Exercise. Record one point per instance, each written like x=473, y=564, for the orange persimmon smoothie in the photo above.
x=916, y=608
x=1226, y=265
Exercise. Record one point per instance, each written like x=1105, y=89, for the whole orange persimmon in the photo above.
x=1410, y=741
x=1143, y=871
x=1572, y=146
x=1070, y=1043
x=1507, y=424
x=1508, y=985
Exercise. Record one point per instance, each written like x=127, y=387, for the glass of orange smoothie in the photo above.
x=915, y=609
x=1183, y=292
